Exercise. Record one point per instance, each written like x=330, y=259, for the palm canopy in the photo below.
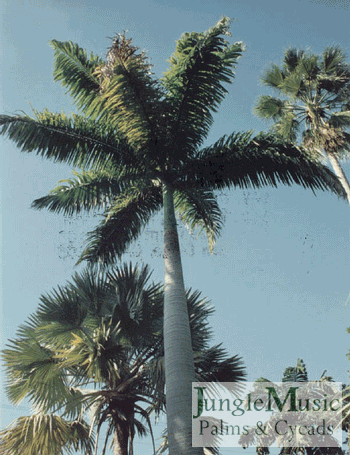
x=96, y=345
x=314, y=103
x=137, y=134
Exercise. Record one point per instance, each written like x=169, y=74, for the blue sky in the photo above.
x=279, y=275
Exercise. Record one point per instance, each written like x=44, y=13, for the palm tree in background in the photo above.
x=95, y=348
x=316, y=102
x=139, y=147
x=319, y=388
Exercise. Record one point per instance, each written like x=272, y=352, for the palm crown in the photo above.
x=315, y=103
x=138, y=134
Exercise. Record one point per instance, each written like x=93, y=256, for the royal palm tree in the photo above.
x=139, y=145
x=96, y=345
x=315, y=101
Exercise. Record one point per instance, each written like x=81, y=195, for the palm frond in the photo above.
x=32, y=370
x=141, y=428
x=310, y=69
x=138, y=306
x=123, y=224
x=93, y=354
x=77, y=404
x=269, y=107
x=62, y=306
x=273, y=77
x=45, y=434
x=75, y=70
x=296, y=374
x=202, y=62
x=292, y=84
x=292, y=59
x=198, y=208
x=199, y=309
x=131, y=96
x=74, y=140
x=88, y=190
x=242, y=161
x=95, y=292
x=317, y=87
x=214, y=365
x=287, y=127
x=333, y=61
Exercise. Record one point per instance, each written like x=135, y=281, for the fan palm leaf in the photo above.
x=34, y=371
x=45, y=434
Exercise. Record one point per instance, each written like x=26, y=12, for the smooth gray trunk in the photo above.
x=338, y=170
x=120, y=441
x=179, y=366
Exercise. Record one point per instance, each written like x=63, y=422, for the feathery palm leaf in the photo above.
x=131, y=96
x=77, y=140
x=199, y=309
x=198, y=68
x=123, y=224
x=75, y=70
x=88, y=190
x=242, y=161
x=198, y=208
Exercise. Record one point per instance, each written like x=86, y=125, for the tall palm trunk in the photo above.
x=120, y=440
x=179, y=366
x=339, y=173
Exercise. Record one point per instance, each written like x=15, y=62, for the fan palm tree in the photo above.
x=139, y=146
x=320, y=387
x=316, y=102
x=102, y=331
